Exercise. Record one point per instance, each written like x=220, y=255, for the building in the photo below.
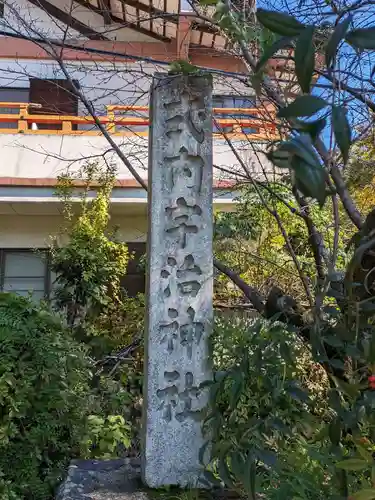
x=110, y=50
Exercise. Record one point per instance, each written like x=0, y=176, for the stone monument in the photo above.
x=180, y=276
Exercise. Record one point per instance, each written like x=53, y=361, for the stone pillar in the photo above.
x=180, y=277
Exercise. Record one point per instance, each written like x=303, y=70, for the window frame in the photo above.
x=132, y=268
x=229, y=129
x=233, y=97
x=47, y=266
x=48, y=285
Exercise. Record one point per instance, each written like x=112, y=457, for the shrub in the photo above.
x=104, y=435
x=46, y=402
x=266, y=400
x=89, y=268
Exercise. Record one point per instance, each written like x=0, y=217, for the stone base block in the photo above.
x=118, y=479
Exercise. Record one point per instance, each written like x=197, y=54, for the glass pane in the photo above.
x=217, y=102
x=36, y=295
x=12, y=95
x=249, y=130
x=24, y=284
x=54, y=284
x=25, y=264
x=244, y=102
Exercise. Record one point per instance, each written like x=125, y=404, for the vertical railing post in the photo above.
x=23, y=115
x=67, y=126
x=111, y=126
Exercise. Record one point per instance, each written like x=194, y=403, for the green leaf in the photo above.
x=225, y=473
x=250, y=477
x=351, y=390
x=302, y=146
x=314, y=128
x=334, y=400
x=304, y=58
x=309, y=175
x=280, y=23
x=355, y=464
x=236, y=391
x=333, y=341
x=211, y=479
x=366, y=455
x=304, y=105
x=267, y=457
x=371, y=354
x=298, y=394
x=237, y=465
x=271, y=50
x=182, y=66
x=310, y=180
x=367, y=494
x=334, y=431
x=362, y=38
x=353, y=351
x=279, y=158
x=208, y=2
x=335, y=39
x=256, y=80
x=202, y=452
x=342, y=130
x=337, y=363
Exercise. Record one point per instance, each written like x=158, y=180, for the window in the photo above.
x=25, y=271
x=12, y=94
x=134, y=280
x=234, y=101
x=56, y=97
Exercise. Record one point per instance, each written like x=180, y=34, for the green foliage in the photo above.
x=266, y=397
x=44, y=399
x=342, y=130
x=104, y=436
x=249, y=241
x=270, y=50
x=304, y=58
x=183, y=67
x=90, y=265
x=362, y=38
x=287, y=230
x=279, y=22
x=335, y=39
x=304, y=105
x=89, y=268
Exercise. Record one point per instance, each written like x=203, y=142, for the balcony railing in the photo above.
x=125, y=120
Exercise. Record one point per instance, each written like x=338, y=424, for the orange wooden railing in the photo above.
x=132, y=119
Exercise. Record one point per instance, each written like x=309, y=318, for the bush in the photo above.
x=89, y=268
x=46, y=402
x=44, y=384
x=267, y=399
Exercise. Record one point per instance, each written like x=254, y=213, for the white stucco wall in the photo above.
x=33, y=231
x=40, y=156
x=102, y=83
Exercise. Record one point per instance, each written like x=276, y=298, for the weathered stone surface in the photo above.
x=103, y=480
x=180, y=275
